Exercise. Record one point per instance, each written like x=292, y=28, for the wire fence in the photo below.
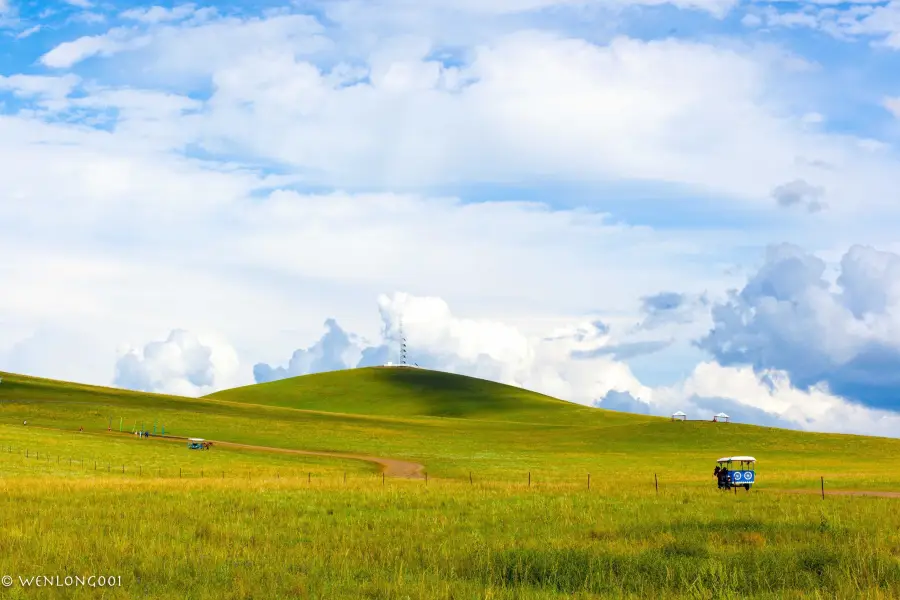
x=48, y=463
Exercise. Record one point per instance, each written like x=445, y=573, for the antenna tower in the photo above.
x=402, y=345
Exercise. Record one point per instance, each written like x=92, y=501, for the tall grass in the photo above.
x=361, y=539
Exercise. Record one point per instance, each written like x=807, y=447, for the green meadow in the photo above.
x=526, y=497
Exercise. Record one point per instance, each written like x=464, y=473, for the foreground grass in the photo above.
x=286, y=538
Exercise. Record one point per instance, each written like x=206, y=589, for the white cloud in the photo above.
x=89, y=17
x=28, y=32
x=790, y=316
x=877, y=20
x=80, y=3
x=893, y=105
x=751, y=20
x=159, y=14
x=498, y=118
x=412, y=12
x=183, y=364
x=42, y=86
x=768, y=397
x=115, y=40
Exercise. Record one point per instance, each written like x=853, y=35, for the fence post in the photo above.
x=470, y=477
x=309, y=478
x=529, y=478
x=589, y=481
x=656, y=483
x=179, y=472
x=822, y=480
x=426, y=478
x=382, y=478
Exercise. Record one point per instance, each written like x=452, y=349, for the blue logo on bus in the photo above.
x=740, y=477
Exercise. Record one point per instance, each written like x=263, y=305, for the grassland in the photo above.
x=230, y=523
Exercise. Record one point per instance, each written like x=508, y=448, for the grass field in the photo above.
x=233, y=523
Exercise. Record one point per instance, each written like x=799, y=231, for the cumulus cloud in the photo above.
x=843, y=334
x=183, y=364
x=769, y=397
x=800, y=193
x=335, y=350
x=291, y=77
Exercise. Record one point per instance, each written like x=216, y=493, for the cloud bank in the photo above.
x=183, y=364
x=841, y=333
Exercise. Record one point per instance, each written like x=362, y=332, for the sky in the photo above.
x=641, y=205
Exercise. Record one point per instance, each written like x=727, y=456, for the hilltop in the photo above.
x=411, y=392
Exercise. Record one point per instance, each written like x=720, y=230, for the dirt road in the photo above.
x=391, y=467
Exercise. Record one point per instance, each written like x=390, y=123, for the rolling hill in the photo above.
x=454, y=425
x=410, y=392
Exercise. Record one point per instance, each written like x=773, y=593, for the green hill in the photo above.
x=454, y=425
x=410, y=392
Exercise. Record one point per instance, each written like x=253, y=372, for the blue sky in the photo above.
x=195, y=194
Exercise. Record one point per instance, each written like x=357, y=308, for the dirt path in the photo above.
x=389, y=466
